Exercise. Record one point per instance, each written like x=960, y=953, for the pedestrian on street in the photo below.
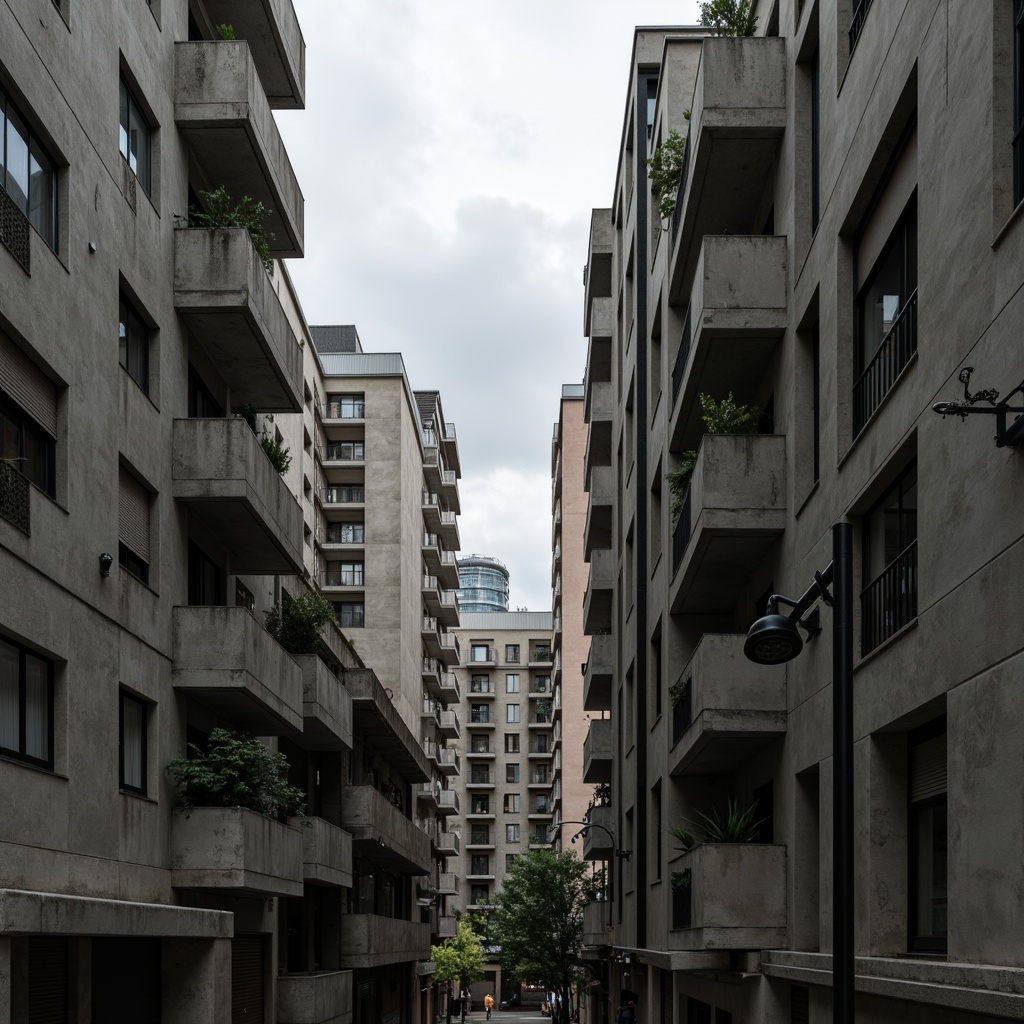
x=488, y=1004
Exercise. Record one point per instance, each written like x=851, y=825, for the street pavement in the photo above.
x=505, y=1017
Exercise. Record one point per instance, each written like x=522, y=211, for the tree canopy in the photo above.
x=539, y=920
x=459, y=959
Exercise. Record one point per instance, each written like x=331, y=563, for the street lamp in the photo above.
x=774, y=639
x=621, y=854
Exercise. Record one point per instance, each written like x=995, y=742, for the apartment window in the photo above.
x=346, y=574
x=889, y=600
x=512, y=654
x=135, y=138
x=27, y=446
x=27, y=173
x=509, y=858
x=344, y=451
x=541, y=804
x=479, y=652
x=541, y=745
x=132, y=742
x=1018, y=101
x=201, y=403
x=479, y=713
x=481, y=804
x=886, y=319
x=480, y=864
x=512, y=682
x=511, y=805
x=346, y=407
x=480, y=684
x=133, y=502
x=133, y=344
x=511, y=772
x=542, y=684
x=26, y=705
x=479, y=893
x=511, y=743
x=511, y=713
x=349, y=613
x=345, y=533
x=205, y=578
x=815, y=69
x=479, y=745
x=928, y=846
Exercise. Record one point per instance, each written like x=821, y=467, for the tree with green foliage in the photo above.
x=665, y=170
x=460, y=959
x=539, y=921
x=296, y=623
x=729, y=17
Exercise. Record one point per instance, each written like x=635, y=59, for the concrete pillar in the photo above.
x=196, y=981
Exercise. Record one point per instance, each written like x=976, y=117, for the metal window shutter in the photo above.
x=23, y=381
x=799, y=1004
x=133, y=515
x=928, y=769
x=47, y=981
x=247, y=979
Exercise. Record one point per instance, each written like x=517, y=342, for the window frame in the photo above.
x=27, y=426
x=917, y=943
x=512, y=714
x=34, y=151
x=343, y=610
x=511, y=804
x=20, y=755
x=133, y=333
x=512, y=654
x=123, y=697
x=127, y=106
x=512, y=684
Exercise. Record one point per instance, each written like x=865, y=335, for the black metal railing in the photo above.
x=343, y=495
x=14, y=497
x=899, y=344
x=889, y=602
x=480, y=718
x=339, y=578
x=860, y=12
x=345, y=411
x=682, y=711
x=681, y=357
x=681, y=533
x=677, y=211
x=14, y=232
x=343, y=451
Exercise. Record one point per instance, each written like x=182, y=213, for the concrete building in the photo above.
x=483, y=584
x=145, y=533
x=509, y=748
x=846, y=238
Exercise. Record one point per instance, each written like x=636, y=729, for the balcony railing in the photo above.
x=857, y=21
x=889, y=602
x=481, y=778
x=14, y=232
x=14, y=495
x=478, y=717
x=342, y=495
x=481, y=837
x=342, y=578
x=344, y=410
x=343, y=451
x=899, y=344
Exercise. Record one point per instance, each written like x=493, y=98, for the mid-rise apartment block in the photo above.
x=844, y=250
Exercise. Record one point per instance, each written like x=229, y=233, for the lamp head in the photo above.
x=772, y=640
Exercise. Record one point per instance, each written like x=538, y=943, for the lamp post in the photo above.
x=774, y=639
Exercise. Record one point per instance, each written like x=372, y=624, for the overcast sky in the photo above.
x=450, y=154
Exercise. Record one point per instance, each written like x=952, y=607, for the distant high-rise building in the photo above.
x=483, y=584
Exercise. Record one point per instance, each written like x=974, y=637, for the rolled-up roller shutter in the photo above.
x=27, y=385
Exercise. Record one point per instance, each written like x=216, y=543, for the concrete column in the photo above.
x=196, y=981
x=885, y=884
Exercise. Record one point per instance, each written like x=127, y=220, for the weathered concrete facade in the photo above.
x=845, y=239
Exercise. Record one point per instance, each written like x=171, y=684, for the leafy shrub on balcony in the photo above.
x=665, y=170
x=736, y=825
x=223, y=212
x=236, y=771
x=729, y=17
x=296, y=623
x=724, y=417
x=280, y=456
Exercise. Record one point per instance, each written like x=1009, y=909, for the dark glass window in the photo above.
x=133, y=719
x=928, y=834
x=349, y=613
x=127, y=559
x=512, y=654
x=205, y=578
x=27, y=447
x=889, y=597
x=26, y=705
x=815, y=139
x=135, y=138
x=133, y=344
x=857, y=16
x=886, y=319
x=201, y=403
x=1018, y=101
x=27, y=173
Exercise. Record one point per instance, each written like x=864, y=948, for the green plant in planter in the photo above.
x=735, y=826
x=236, y=771
x=724, y=417
x=223, y=212
x=729, y=17
x=686, y=839
x=226, y=31
x=676, y=691
x=296, y=623
x=664, y=169
x=682, y=879
x=279, y=455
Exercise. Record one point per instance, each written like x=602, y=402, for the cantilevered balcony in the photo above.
x=326, y=852
x=599, y=411
x=597, y=843
x=738, y=116
x=447, y=802
x=369, y=940
x=235, y=851
x=449, y=723
x=228, y=301
x=380, y=725
x=222, y=112
x=451, y=649
x=447, y=759
x=597, y=923
x=737, y=315
x=597, y=602
x=728, y=708
x=597, y=674
x=449, y=688
x=319, y=997
x=597, y=532
x=225, y=660
x=272, y=31
x=733, y=512
x=326, y=707
x=222, y=474
x=597, y=751
x=598, y=277
x=448, y=843
x=382, y=834
x=735, y=899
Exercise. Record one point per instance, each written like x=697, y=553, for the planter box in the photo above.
x=322, y=998
x=326, y=852
x=326, y=707
x=372, y=941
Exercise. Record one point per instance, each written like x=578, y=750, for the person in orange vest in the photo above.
x=488, y=1004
